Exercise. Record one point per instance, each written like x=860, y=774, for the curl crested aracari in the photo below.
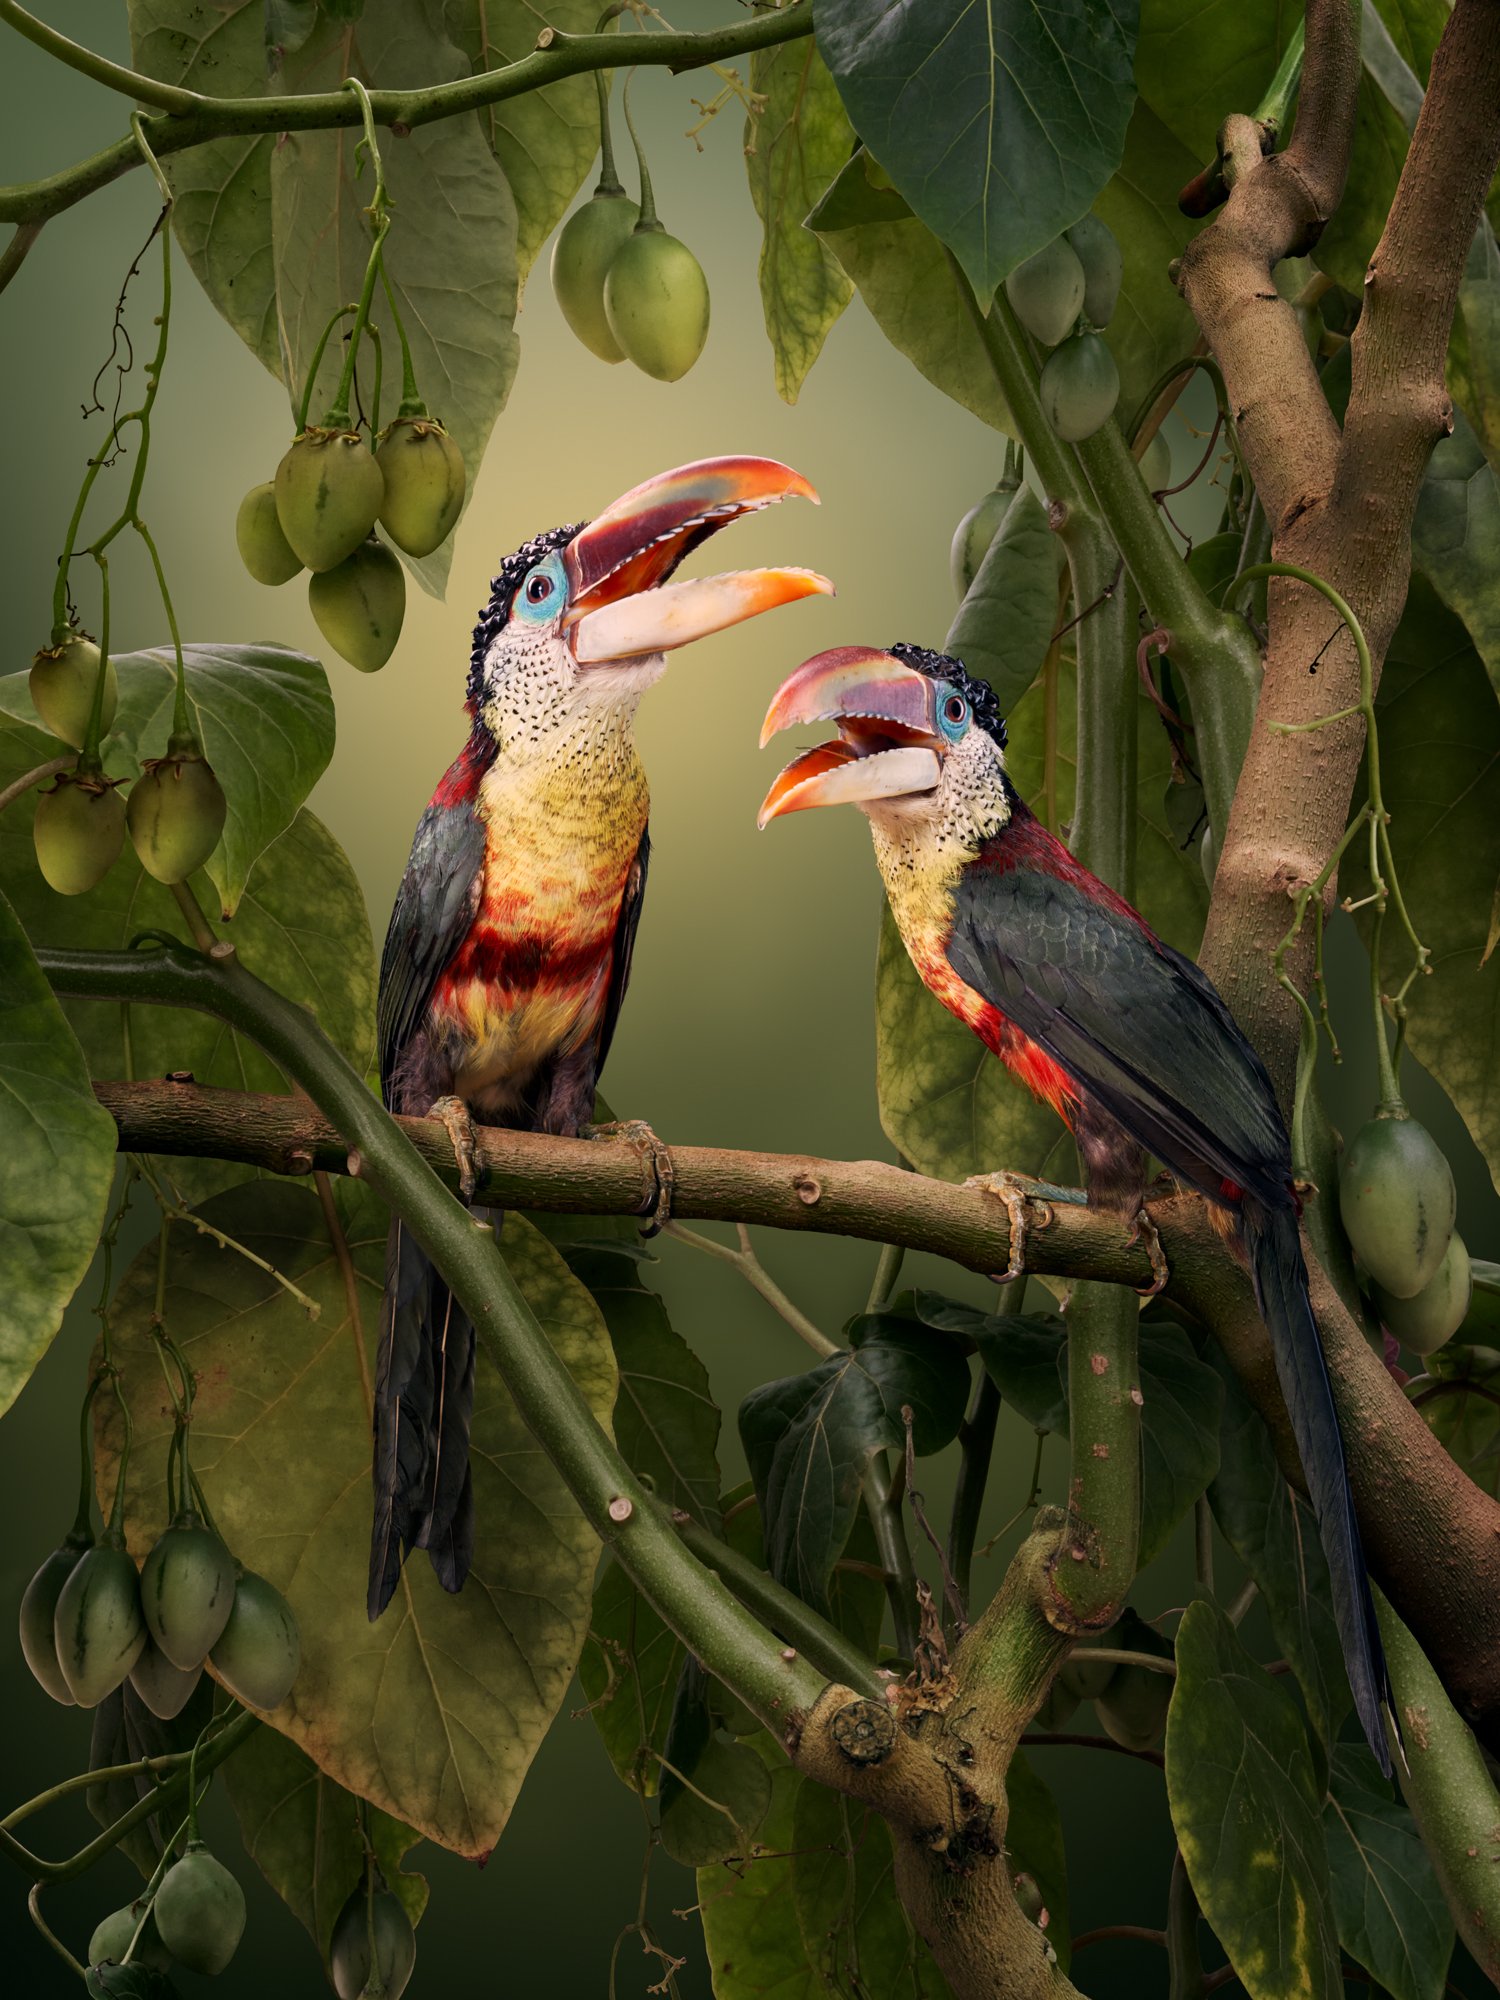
x=510, y=943
x=1062, y=980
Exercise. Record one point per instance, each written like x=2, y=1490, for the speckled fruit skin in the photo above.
x=1398, y=1202
x=187, y=1590
x=175, y=814
x=1080, y=386
x=62, y=686
x=359, y=607
x=98, y=1627
x=581, y=257
x=258, y=1653
x=423, y=470
x=656, y=298
x=1047, y=291
x=38, y=1612
x=350, y=1961
x=263, y=546
x=972, y=538
x=78, y=832
x=1429, y=1319
x=200, y=1911
x=328, y=494
x=1103, y=264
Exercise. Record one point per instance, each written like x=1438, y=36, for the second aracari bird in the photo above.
x=510, y=943
x=1062, y=980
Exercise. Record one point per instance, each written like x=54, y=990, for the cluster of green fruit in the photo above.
x=319, y=514
x=1131, y=1702
x=90, y=1621
x=1398, y=1204
x=194, y=1917
x=629, y=290
x=176, y=810
x=1065, y=296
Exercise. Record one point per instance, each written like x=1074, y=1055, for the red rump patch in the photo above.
x=1043, y=1077
x=459, y=784
x=1231, y=1190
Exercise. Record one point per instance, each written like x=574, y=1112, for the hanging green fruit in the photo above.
x=1056, y=1711
x=979, y=527
x=62, y=682
x=1132, y=1709
x=187, y=1590
x=1047, y=291
x=1085, y=1678
x=176, y=811
x=373, y=1948
x=1430, y=1318
x=423, y=471
x=360, y=605
x=39, y=1611
x=655, y=293
x=259, y=1652
x=98, y=1627
x=264, y=548
x=1080, y=386
x=165, y=1689
x=78, y=832
x=328, y=494
x=200, y=1911
x=585, y=248
x=1398, y=1202
x=1103, y=264
x=115, y=1934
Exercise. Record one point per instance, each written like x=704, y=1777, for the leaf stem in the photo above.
x=38, y=775
x=755, y=1274
x=34, y=1906
x=887, y=1271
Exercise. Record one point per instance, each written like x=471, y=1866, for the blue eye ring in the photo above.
x=953, y=714
x=541, y=591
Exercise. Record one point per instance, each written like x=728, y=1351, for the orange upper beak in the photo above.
x=888, y=746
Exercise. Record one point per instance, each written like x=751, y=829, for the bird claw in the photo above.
x=657, y=1206
x=453, y=1113
x=1144, y=1230
x=1015, y=1190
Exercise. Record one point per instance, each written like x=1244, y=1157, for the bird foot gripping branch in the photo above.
x=656, y=1157
x=1015, y=1191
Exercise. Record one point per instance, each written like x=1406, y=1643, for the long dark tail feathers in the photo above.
x=1280, y=1279
x=424, y=1399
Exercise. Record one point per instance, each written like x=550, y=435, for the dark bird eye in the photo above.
x=955, y=708
x=539, y=589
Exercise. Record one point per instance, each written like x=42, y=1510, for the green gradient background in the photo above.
x=749, y=1021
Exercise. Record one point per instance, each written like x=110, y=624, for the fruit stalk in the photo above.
x=609, y=177
x=648, y=217
x=316, y=363
x=411, y=397
x=337, y=417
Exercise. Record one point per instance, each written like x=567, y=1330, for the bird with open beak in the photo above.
x=509, y=946
x=1062, y=980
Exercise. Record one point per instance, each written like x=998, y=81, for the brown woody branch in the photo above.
x=1440, y=1563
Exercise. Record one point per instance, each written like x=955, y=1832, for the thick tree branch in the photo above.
x=557, y=55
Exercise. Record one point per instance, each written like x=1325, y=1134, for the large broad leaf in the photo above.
x=1474, y=351
x=854, y=1929
x=1455, y=536
x=125, y=1732
x=999, y=120
x=303, y=1833
x=1392, y=1919
x=810, y=1437
x=434, y=1712
x=1152, y=327
x=629, y=1671
x=1247, y=1817
x=1440, y=765
x=1462, y=1409
x=265, y=719
x=1275, y=1536
x=57, y=1161
x=750, y=1930
x=544, y=140
x=795, y=143
x=1005, y=624
x=716, y=1815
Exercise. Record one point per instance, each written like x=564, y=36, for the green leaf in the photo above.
x=265, y=718
x=1246, y=1814
x=629, y=1671
x=809, y=1437
x=1376, y=158
x=1392, y=1919
x=1275, y=1536
x=854, y=1929
x=718, y=1813
x=1474, y=350
x=1152, y=327
x=750, y=1930
x=1465, y=1420
x=433, y=1713
x=795, y=144
x=125, y=1731
x=1455, y=536
x=302, y=1832
x=57, y=1161
x=999, y=122
x=1440, y=763
x=544, y=140
x=1005, y=624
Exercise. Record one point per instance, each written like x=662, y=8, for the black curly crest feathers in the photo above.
x=979, y=694
x=502, y=594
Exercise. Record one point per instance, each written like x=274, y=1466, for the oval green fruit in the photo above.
x=187, y=1590
x=62, y=685
x=423, y=470
x=200, y=1911
x=1132, y=1710
x=360, y=605
x=373, y=1948
x=264, y=548
x=38, y=1612
x=328, y=493
x=581, y=257
x=1103, y=264
x=1056, y=1712
x=656, y=300
x=1430, y=1318
x=78, y=832
x=114, y=1934
x=165, y=1689
x=1080, y=386
x=98, y=1627
x=175, y=814
x=1047, y=291
x=973, y=535
x=1398, y=1202
x=258, y=1653
x=1084, y=1678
